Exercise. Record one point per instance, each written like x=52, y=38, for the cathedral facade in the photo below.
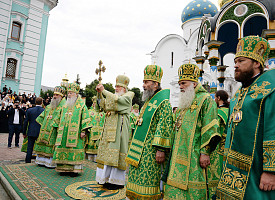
x=210, y=39
x=23, y=29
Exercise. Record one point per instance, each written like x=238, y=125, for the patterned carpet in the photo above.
x=31, y=181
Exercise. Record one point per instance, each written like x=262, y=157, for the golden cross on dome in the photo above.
x=99, y=70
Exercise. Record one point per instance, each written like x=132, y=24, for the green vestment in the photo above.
x=195, y=131
x=45, y=143
x=113, y=146
x=222, y=118
x=250, y=141
x=97, y=119
x=69, y=149
x=151, y=134
x=133, y=119
x=24, y=145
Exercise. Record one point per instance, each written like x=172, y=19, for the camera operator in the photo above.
x=15, y=120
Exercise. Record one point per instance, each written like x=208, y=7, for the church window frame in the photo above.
x=11, y=68
x=16, y=30
x=172, y=59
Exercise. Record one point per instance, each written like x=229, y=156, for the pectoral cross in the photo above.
x=152, y=105
x=99, y=70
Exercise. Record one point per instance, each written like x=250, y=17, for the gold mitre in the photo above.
x=122, y=80
x=135, y=106
x=153, y=73
x=253, y=47
x=189, y=72
x=59, y=90
x=73, y=87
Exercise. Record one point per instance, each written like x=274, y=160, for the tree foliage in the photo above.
x=90, y=91
x=44, y=94
x=81, y=92
x=137, y=97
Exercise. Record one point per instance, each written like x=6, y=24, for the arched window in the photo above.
x=172, y=59
x=11, y=68
x=16, y=29
x=254, y=26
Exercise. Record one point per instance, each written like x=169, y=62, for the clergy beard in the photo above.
x=71, y=101
x=55, y=102
x=187, y=97
x=147, y=94
x=244, y=76
x=120, y=93
x=136, y=113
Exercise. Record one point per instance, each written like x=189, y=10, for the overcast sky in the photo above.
x=118, y=32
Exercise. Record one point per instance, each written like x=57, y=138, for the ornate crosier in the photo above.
x=99, y=70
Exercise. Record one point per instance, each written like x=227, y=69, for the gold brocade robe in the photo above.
x=69, y=149
x=113, y=145
x=196, y=128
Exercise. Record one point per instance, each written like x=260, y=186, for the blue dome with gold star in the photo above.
x=197, y=8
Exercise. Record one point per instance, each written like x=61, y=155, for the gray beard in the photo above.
x=187, y=97
x=55, y=103
x=136, y=114
x=147, y=94
x=71, y=101
x=120, y=93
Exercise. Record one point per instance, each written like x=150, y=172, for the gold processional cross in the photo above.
x=99, y=70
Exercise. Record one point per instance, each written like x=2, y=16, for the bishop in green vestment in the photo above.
x=151, y=140
x=133, y=118
x=45, y=143
x=221, y=98
x=193, y=154
x=249, y=167
x=97, y=118
x=73, y=123
x=113, y=145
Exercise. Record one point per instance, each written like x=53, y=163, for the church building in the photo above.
x=210, y=39
x=23, y=30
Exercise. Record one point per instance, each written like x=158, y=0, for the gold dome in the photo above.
x=223, y=2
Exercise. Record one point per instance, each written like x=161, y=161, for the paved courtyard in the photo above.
x=9, y=156
x=13, y=154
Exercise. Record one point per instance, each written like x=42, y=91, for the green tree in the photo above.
x=90, y=91
x=44, y=94
x=137, y=97
x=81, y=92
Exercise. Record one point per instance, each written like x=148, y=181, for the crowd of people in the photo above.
x=9, y=99
x=206, y=148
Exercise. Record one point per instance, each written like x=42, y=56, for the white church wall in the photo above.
x=32, y=38
x=230, y=85
x=5, y=10
x=189, y=27
x=163, y=57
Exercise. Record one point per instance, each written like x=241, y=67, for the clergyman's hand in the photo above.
x=267, y=181
x=99, y=88
x=204, y=160
x=82, y=135
x=160, y=156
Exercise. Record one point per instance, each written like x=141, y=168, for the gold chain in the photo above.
x=239, y=103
